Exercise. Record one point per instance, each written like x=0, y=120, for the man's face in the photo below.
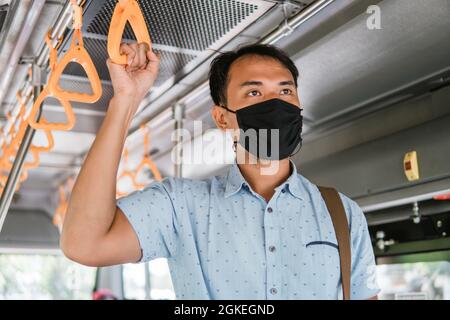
x=253, y=79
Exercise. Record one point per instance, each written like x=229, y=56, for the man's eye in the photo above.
x=253, y=93
x=286, y=91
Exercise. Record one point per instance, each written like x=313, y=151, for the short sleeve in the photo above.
x=363, y=278
x=151, y=213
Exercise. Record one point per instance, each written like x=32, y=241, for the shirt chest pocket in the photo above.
x=322, y=267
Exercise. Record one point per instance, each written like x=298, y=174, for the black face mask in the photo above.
x=260, y=124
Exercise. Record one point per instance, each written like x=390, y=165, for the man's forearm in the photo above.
x=93, y=200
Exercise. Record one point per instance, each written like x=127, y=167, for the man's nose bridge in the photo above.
x=273, y=94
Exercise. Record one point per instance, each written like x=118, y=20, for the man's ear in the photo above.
x=219, y=118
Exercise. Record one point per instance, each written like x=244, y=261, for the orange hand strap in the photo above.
x=62, y=126
x=147, y=161
x=12, y=150
x=22, y=128
x=77, y=53
x=126, y=10
x=4, y=178
x=58, y=217
x=50, y=141
x=9, y=150
x=49, y=91
x=125, y=174
x=48, y=133
x=53, y=53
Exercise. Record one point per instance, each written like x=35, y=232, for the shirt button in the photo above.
x=269, y=209
x=273, y=291
x=283, y=191
x=272, y=248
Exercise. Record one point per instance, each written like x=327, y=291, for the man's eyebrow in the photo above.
x=287, y=83
x=251, y=83
x=259, y=83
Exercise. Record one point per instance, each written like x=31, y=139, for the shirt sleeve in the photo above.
x=151, y=213
x=363, y=278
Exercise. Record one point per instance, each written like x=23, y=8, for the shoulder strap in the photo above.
x=340, y=223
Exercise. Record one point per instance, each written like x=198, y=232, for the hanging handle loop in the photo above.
x=126, y=10
x=47, y=92
x=58, y=217
x=9, y=149
x=147, y=161
x=125, y=174
x=78, y=54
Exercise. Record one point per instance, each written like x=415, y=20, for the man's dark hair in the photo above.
x=220, y=67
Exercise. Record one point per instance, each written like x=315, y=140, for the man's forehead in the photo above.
x=258, y=69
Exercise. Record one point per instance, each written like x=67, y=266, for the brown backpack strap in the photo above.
x=340, y=223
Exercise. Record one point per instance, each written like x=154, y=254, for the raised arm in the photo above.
x=95, y=231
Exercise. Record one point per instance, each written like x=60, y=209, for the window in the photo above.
x=161, y=283
x=134, y=281
x=148, y=281
x=44, y=276
x=420, y=280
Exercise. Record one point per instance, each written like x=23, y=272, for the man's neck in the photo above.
x=263, y=183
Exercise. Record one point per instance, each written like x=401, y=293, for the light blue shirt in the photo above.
x=224, y=241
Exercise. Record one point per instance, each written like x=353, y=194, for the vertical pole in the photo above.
x=16, y=170
x=178, y=115
x=148, y=284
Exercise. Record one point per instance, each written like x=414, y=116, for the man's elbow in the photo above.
x=79, y=252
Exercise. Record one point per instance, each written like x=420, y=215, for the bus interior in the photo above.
x=374, y=82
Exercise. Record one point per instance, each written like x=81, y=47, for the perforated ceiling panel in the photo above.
x=185, y=32
x=171, y=62
x=189, y=24
x=85, y=87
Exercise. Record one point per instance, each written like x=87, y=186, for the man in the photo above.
x=260, y=231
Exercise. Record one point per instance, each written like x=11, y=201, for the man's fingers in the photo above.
x=128, y=51
x=153, y=61
x=138, y=56
x=142, y=53
x=134, y=65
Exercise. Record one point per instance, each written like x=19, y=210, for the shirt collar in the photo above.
x=235, y=181
x=294, y=183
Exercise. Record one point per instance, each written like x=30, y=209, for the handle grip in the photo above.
x=126, y=10
x=77, y=53
x=51, y=126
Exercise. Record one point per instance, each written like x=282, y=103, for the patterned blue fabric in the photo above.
x=224, y=241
